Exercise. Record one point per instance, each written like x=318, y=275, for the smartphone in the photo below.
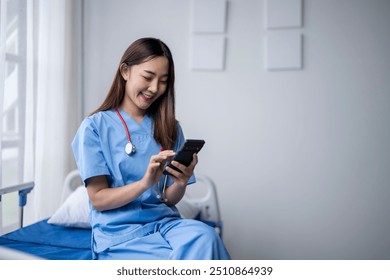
x=184, y=155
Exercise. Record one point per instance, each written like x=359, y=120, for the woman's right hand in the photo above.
x=156, y=168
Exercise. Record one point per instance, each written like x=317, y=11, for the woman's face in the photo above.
x=145, y=83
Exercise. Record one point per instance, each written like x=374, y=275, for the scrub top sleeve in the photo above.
x=88, y=152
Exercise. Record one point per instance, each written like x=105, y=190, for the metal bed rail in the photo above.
x=23, y=190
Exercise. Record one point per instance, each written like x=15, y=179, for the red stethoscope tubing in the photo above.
x=129, y=148
x=124, y=125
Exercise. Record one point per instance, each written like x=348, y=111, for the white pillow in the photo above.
x=74, y=212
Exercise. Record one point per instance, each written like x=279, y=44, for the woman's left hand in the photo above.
x=176, y=191
x=181, y=178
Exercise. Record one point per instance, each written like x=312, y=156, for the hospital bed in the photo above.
x=66, y=235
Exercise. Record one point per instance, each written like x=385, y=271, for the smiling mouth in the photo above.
x=146, y=97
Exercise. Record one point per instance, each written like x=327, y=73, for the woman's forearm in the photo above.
x=104, y=198
x=174, y=193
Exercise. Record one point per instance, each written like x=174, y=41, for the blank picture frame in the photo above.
x=283, y=14
x=283, y=50
x=208, y=52
x=209, y=16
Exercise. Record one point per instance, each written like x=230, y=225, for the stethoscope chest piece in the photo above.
x=130, y=148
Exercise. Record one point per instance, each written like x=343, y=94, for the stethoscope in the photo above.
x=130, y=149
x=161, y=194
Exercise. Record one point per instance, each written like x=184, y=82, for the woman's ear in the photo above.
x=125, y=71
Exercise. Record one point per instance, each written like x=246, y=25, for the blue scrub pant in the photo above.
x=175, y=239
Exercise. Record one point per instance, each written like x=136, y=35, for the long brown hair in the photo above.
x=162, y=110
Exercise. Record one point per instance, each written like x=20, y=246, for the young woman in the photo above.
x=121, y=150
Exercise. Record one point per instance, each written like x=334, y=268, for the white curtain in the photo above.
x=57, y=100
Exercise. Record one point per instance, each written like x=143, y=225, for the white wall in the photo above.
x=301, y=158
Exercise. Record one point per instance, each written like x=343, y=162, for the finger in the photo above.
x=190, y=167
x=176, y=174
x=154, y=166
x=163, y=158
x=194, y=161
x=186, y=172
x=168, y=153
x=178, y=165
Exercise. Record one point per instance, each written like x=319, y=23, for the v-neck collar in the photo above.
x=144, y=124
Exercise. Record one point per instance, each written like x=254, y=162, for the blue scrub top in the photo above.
x=99, y=149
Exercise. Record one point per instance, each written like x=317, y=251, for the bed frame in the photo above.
x=42, y=240
x=23, y=190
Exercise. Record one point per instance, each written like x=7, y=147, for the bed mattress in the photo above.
x=49, y=241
